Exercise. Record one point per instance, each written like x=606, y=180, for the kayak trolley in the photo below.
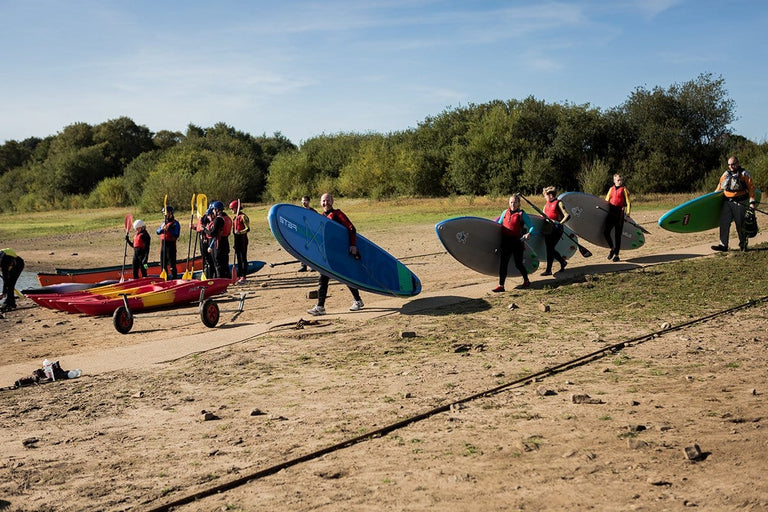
x=208, y=310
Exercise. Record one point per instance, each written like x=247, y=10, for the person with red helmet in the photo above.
x=140, y=246
x=241, y=225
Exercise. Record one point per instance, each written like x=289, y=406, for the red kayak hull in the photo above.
x=164, y=295
x=63, y=301
x=96, y=275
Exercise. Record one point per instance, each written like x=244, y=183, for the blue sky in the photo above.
x=323, y=67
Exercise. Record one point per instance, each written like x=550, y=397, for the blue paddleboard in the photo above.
x=323, y=244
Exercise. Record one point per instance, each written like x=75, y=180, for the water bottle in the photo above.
x=48, y=369
x=73, y=374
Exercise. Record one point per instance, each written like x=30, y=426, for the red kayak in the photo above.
x=95, y=275
x=62, y=301
x=168, y=293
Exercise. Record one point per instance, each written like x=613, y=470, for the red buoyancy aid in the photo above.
x=227, y=229
x=617, y=196
x=513, y=221
x=238, y=223
x=552, y=210
x=140, y=239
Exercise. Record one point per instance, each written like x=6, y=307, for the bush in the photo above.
x=595, y=178
x=108, y=193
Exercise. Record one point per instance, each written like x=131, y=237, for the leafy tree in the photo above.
x=121, y=140
x=290, y=177
x=137, y=172
x=165, y=139
x=15, y=154
x=678, y=132
x=378, y=169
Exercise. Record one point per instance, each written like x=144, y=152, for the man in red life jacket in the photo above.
x=326, y=201
x=555, y=211
x=241, y=225
x=169, y=232
x=218, y=230
x=738, y=189
x=140, y=246
x=618, y=206
x=517, y=228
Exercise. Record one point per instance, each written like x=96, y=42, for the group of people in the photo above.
x=736, y=184
x=215, y=226
x=212, y=229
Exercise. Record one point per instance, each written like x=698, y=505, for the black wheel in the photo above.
x=122, y=319
x=209, y=313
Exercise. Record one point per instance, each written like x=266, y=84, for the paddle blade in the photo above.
x=187, y=275
x=128, y=222
x=584, y=251
x=164, y=275
x=202, y=204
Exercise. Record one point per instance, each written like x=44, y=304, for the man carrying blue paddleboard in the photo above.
x=326, y=202
x=738, y=188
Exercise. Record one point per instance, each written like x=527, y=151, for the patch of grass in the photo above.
x=470, y=449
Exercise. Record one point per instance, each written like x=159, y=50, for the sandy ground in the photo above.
x=174, y=408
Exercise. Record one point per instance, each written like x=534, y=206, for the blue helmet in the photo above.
x=217, y=205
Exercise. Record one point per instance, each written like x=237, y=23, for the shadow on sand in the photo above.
x=444, y=305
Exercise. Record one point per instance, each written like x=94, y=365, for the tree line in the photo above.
x=673, y=139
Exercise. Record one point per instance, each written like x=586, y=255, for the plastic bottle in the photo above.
x=73, y=374
x=48, y=369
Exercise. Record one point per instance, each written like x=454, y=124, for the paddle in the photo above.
x=272, y=265
x=234, y=258
x=128, y=224
x=582, y=250
x=638, y=226
x=163, y=273
x=202, y=206
x=188, y=271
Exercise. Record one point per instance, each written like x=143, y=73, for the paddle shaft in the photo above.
x=235, y=257
x=586, y=253
x=191, y=220
x=283, y=263
x=128, y=222
x=163, y=273
x=638, y=226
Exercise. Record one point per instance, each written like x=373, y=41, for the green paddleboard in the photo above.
x=699, y=214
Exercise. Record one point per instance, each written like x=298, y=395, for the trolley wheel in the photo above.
x=209, y=313
x=122, y=319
